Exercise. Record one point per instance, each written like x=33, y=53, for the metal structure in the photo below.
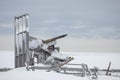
x=27, y=48
x=21, y=37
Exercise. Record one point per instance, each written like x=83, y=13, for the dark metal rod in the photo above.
x=15, y=50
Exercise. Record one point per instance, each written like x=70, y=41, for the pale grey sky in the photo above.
x=91, y=25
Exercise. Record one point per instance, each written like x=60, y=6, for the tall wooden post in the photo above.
x=21, y=39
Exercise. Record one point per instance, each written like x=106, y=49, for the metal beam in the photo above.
x=21, y=39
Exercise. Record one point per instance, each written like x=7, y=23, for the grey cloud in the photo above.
x=6, y=25
x=82, y=19
x=6, y=28
x=78, y=18
x=98, y=32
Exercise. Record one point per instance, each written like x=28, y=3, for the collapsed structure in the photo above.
x=27, y=48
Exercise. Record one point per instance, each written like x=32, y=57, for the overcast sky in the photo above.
x=92, y=25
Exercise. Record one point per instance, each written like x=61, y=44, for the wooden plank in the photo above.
x=67, y=61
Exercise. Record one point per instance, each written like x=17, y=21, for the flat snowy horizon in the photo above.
x=100, y=60
x=92, y=59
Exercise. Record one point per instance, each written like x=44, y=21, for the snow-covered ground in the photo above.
x=7, y=59
x=22, y=74
x=100, y=60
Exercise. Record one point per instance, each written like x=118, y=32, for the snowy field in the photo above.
x=100, y=60
x=22, y=74
x=7, y=59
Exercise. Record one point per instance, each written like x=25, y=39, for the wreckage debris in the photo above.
x=27, y=48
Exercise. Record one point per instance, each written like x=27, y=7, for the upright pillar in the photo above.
x=21, y=39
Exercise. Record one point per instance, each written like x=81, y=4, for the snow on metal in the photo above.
x=21, y=34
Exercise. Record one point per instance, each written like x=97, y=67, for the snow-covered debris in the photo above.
x=33, y=44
